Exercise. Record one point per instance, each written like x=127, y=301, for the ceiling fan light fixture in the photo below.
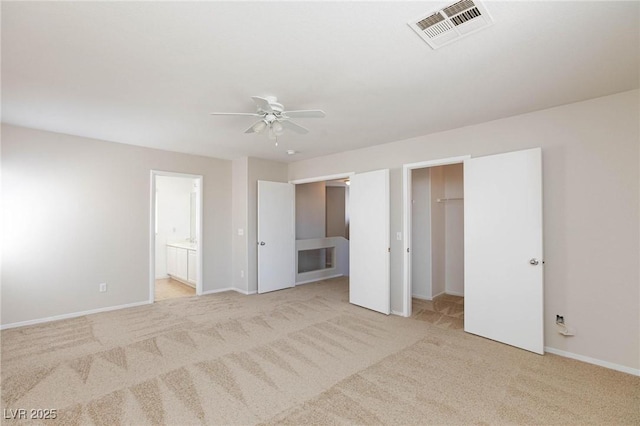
x=259, y=126
x=273, y=119
x=277, y=128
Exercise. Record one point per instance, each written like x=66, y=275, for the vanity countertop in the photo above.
x=184, y=245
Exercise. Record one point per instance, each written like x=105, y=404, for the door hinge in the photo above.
x=389, y=250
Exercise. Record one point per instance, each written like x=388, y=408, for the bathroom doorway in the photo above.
x=175, y=248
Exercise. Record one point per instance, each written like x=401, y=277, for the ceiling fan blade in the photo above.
x=305, y=113
x=253, y=114
x=295, y=127
x=251, y=129
x=262, y=103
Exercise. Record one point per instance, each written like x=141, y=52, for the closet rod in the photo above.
x=442, y=200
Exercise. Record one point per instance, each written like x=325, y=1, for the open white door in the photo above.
x=276, y=236
x=503, y=248
x=369, y=241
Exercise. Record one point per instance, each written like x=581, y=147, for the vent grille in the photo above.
x=437, y=29
x=429, y=21
x=458, y=7
x=452, y=23
x=466, y=16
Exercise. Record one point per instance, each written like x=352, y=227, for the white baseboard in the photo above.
x=589, y=360
x=72, y=315
x=420, y=297
x=400, y=314
x=315, y=280
x=221, y=290
x=436, y=295
x=451, y=293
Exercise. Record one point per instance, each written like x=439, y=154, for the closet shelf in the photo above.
x=442, y=200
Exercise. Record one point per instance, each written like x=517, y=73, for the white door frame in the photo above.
x=406, y=222
x=322, y=178
x=152, y=229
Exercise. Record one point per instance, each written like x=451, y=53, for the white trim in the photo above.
x=72, y=315
x=416, y=296
x=589, y=360
x=245, y=292
x=222, y=290
x=315, y=280
x=400, y=314
x=322, y=178
x=152, y=227
x=219, y=290
x=454, y=293
x=436, y=295
x=406, y=222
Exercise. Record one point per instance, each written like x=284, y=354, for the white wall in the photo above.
x=174, y=216
x=240, y=218
x=591, y=209
x=310, y=210
x=420, y=234
x=454, y=230
x=77, y=213
x=438, y=237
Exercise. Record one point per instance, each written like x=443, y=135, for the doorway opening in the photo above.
x=176, y=235
x=434, y=235
x=322, y=229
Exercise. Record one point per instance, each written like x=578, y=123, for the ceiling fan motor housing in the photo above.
x=274, y=104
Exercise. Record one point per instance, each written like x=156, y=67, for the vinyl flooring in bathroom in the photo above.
x=167, y=288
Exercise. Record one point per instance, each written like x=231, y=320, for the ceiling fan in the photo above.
x=273, y=118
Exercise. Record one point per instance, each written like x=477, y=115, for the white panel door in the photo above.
x=276, y=236
x=503, y=248
x=369, y=285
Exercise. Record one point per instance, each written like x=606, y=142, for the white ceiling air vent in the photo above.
x=451, y=23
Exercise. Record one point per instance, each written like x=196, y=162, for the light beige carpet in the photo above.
x=298, y=356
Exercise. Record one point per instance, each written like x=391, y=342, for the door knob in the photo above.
x=534, y=261
x=262, y=243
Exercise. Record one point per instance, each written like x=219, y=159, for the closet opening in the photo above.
x=434, y=230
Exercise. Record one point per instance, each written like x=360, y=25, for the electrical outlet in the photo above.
x=559, y=319
x=103, y=287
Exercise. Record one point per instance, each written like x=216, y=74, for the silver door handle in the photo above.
x=534, y=261
x=262, y=243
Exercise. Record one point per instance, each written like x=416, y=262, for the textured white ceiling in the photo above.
x=149, y=73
